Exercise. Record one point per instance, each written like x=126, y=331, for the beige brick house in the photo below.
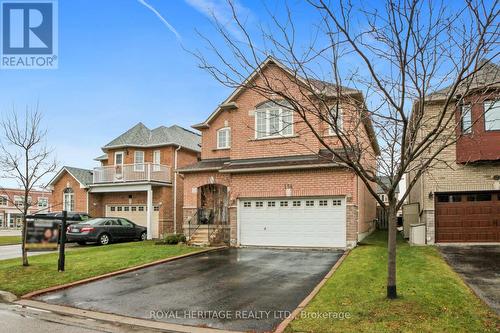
x=255, y=186
x=136, y=179
x=459, y=198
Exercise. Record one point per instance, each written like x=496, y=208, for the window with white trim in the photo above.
x=3, y=200
x=69, y=200
x=273, y=122
x=259, y=204
x=271, y=204
x=492, y=115
x=309, y=203
x=156, y=160
x=296, y=203
x=43, y=203
x=247, y=204
x=224, y=138
x=335, y=115
x=466, y=119
x=323, y=203
x=283, y=203
x=138, y=160
x=337, y=202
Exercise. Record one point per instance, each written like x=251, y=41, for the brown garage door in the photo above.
x=468, y=217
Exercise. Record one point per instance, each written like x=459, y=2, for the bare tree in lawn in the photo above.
x=393, y=54
x=25, y=158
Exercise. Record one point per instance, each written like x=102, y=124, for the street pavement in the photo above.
x=14, y=251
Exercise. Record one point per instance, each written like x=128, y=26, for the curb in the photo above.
x=113, y=318
x=283, y=325
x=122, y=271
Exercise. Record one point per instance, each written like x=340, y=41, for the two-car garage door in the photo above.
x=293, y=222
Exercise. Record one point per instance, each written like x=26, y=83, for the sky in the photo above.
x=120, y=62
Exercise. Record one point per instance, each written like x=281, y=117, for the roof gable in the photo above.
x=84, y=177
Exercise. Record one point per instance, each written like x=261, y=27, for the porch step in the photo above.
x=200, y=237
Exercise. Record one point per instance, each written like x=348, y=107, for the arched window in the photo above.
x=68, y=200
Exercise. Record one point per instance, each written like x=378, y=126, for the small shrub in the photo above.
x=173, y=239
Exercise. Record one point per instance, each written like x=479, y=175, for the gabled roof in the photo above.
x=386, y=182
x=488, y=76
x=322, y=87
x=83, y=176
x=141, y=136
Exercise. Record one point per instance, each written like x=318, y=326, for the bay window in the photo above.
x=492, y=115
x=466, y=119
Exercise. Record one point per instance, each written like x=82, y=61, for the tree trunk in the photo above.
x=23, y=246
x=391, y=249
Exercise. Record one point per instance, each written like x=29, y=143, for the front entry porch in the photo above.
x=209, y=225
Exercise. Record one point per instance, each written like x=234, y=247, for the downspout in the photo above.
x=175, y=189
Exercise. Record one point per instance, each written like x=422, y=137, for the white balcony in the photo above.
x=140, y=172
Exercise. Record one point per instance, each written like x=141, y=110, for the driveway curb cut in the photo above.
x=283, y=325
x=122, y=271
x=113, y=318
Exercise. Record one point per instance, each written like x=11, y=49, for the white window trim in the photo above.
x=71, y=196
x=268, y=121
x=122, y=155
x=340, y=121
x=486, y=109
x=40, y=199
x=156, y=164
x=6, y=201
x=462, y=114
x=139, y=166
x=228, y=138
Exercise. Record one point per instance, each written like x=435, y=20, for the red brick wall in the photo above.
x=80, y=194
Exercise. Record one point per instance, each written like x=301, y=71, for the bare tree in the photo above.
x=25, y=159
x=396, y=56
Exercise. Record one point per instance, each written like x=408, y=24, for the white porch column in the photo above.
x=150, y=211
x=8, y=221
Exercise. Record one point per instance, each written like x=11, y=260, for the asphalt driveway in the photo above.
x=235, y=289
x=480, y=268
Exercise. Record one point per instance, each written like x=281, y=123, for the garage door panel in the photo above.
x=470, y=217
x=292, y=226
x=136, y=214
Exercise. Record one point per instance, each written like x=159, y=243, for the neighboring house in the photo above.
x=381, y=194
x=459, y=199
x=256, y=187
x=11, y=204
x=136, y=179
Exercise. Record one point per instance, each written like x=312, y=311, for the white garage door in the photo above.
x=136, y=214
x=301, y=222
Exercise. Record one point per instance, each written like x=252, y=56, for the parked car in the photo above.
x=104, y=230
x=73, y=217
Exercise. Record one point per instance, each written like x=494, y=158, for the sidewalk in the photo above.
x=10, y=232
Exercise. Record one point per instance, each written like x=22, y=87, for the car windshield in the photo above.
x=95, y=221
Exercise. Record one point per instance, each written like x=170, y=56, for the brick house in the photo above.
x=136, y=179
x=459, y=198
x=254, y=187
x=11, y=201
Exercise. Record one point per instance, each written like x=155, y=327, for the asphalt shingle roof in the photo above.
x=487, y=76
x=84, y=176
x=387, y=182
x=141, y=136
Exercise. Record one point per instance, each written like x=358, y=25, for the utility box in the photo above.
x=410, y=216
x=417, y=234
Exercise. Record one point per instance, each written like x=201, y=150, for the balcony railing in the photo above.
x=132, y=173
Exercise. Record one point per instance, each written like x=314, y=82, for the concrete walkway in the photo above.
x=14, y=251
x=10, y=232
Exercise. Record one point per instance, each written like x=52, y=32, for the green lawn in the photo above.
x=433, y=298
x=10, y=240
x=81, y=263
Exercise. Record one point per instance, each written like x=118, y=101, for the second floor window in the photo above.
x=138, y=160
x=3, y=201
x=466, y=119
x=492, y=115
x=224, y=138
x=335, y=116
x=43, y=202
x=273, y=123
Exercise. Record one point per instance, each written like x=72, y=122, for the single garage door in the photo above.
x=136, y=214
x=467, y=217
x=301, y=222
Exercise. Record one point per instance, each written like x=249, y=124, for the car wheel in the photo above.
x=144, y=236
x=104, y=239
x=81, y=243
